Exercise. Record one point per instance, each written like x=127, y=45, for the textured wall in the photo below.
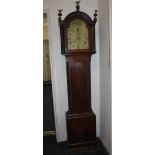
x=105, y=74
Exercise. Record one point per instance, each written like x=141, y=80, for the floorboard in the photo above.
x=50, y=147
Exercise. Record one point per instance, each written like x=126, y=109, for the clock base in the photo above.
x=82, y=145
x=81, y=129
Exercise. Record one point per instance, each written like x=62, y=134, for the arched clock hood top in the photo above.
x=79, y=14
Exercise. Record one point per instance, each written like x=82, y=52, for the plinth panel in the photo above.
x=81, y=129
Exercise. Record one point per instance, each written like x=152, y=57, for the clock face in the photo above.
x=77, y=35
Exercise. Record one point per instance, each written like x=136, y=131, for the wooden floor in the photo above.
x=48, y=110
x=50, y=147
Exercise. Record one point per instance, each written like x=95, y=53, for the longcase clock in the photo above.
x=77, y=33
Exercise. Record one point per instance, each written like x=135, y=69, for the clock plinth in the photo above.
x=81, y=129
x=78, y=44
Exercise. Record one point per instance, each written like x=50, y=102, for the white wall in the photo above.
x=105, y=73
x=59, y=81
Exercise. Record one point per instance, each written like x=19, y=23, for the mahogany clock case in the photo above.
x=80, y=119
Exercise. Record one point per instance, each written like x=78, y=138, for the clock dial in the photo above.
x=77, y=34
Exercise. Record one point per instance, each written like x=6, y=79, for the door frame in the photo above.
x=47, y=11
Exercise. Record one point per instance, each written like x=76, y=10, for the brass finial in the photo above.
x=95, y=15
x=60, y=14
x=77, y=5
